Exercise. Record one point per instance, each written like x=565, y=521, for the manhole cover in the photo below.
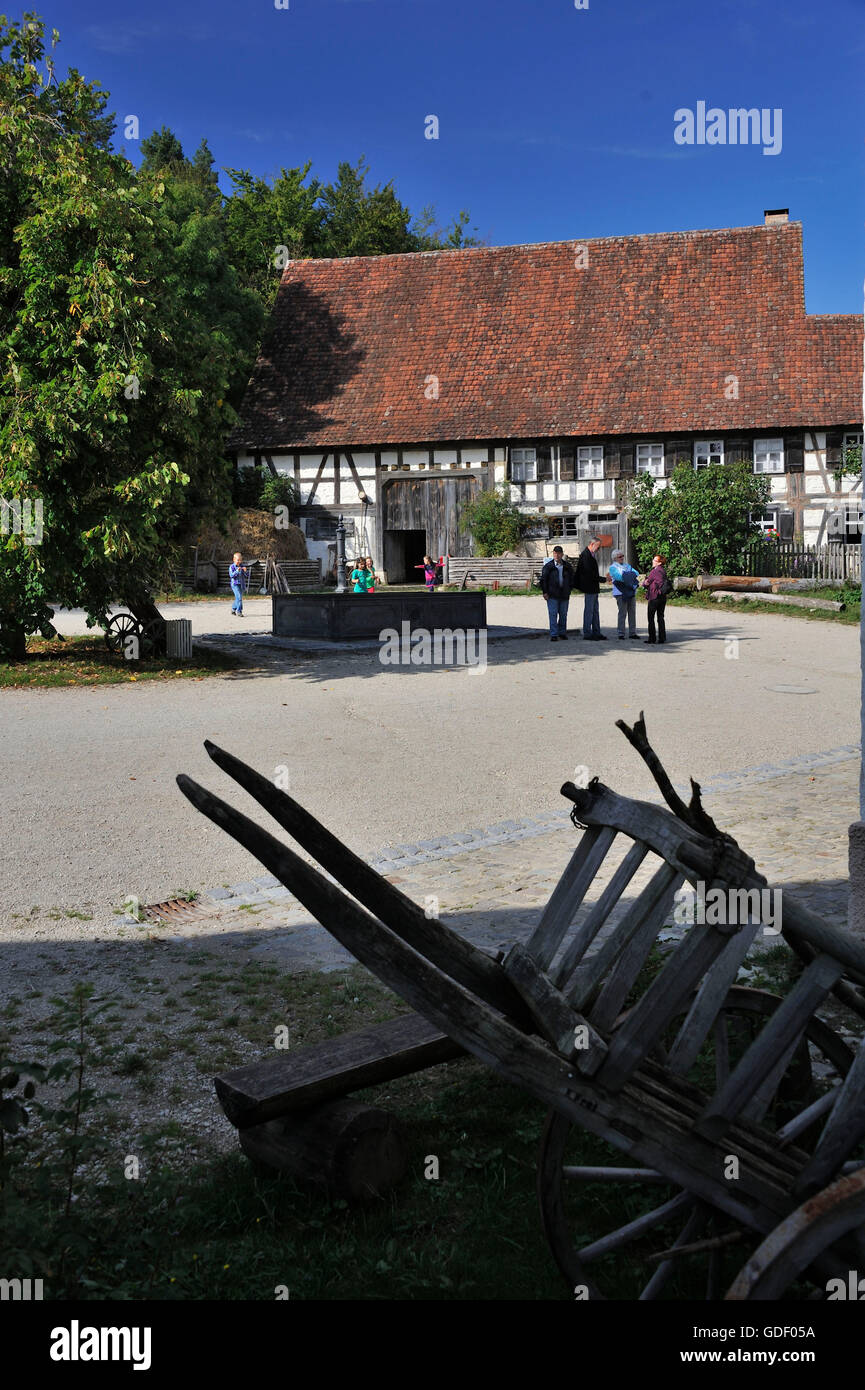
x=794, y=689
x=175, y=910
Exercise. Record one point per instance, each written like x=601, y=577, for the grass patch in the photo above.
x=87, y=661
x=849, y=594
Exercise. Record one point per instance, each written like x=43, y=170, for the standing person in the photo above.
x=429, y=568
x=625, y=584
x=656, y=585
x=557, y=580
x=237, y=577
x=589, y=580
x=360, y=576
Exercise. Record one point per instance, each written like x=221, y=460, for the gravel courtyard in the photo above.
x=386, y=755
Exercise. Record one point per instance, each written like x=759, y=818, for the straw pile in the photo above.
x=253, y=533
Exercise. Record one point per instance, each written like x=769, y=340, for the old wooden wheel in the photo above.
x=118, y=629
x=833, y=1213
x=590, y=1212
x=152, y=637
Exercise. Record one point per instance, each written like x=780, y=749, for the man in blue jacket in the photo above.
x=557, y=580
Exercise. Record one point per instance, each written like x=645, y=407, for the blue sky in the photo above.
x=554, y=123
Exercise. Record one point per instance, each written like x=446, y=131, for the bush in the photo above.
x=495, y=522
x=701, y=520
x=279, y=491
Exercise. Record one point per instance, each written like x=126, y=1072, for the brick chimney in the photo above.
x=772, y=215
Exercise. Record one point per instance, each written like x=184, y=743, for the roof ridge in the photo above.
x=532, y=245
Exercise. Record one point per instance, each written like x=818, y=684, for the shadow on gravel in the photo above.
x=260, y=660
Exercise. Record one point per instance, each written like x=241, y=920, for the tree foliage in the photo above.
x=131, y=307
x=701, y=520
x=120, y=320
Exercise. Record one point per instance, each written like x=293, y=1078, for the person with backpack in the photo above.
x=657, y=587
x=625, y=584
x=557, y=580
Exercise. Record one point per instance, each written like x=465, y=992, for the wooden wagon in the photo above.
x=144, y=623
x=744, y=1109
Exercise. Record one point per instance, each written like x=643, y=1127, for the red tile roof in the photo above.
x=521, y=344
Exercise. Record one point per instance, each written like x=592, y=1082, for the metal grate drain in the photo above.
x=175, y=910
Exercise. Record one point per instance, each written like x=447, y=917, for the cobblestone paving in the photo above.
x=491, y=883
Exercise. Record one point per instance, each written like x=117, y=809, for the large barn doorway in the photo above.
x=403, y=551
x=422, y=516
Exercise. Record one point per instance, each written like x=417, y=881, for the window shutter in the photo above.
x=794, y=453
x=674, y=450
x=738, y=451
x=834, y=444
x=567, y=463
x=612, y=459
x=627, y=460
x=785, y=526
x=544, y=456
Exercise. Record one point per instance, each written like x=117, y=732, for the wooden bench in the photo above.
x=289, y=1081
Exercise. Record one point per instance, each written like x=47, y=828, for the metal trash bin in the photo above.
x=178, y=632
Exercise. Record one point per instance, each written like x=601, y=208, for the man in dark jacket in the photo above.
x=588, y=580
x=557, y=580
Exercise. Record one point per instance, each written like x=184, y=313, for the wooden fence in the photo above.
x=831, y=564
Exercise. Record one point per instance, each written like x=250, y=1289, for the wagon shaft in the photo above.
x=565, y=1017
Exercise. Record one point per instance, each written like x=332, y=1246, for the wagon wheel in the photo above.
x=118, y=629
x=152, y=637
x=805, y=1234
x=659, y=1213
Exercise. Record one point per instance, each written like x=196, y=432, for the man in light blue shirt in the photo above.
x=625, y=583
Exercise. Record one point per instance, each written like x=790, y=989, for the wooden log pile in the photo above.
x=757, y=589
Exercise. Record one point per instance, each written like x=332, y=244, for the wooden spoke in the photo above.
x=561, y=1186
x=118, y=629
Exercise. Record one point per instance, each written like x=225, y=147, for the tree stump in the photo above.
x=349, y=1149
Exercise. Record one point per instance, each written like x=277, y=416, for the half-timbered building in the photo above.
x=394, y=388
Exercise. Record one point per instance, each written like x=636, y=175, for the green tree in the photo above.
x=701, y=520
x=495, y=522
x=261, y=217
x=120, y=320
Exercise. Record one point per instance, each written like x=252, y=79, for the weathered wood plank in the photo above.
x=295, y=1080
x=786, y=1026
x=633, y=958
x=586, y=932
x=589, y=975
x=556, y=1020
x=661, y=1002
x=569, y=893
x=709, y=999
x=844, y=1129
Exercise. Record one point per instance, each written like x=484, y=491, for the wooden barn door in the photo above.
x=429, y=505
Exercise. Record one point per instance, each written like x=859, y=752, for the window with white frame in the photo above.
x=650, y=459
x=590, y=461
x=767, y=520
x=564, y=526
x=768, y=456
x=524, y=465
x=708, y=451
